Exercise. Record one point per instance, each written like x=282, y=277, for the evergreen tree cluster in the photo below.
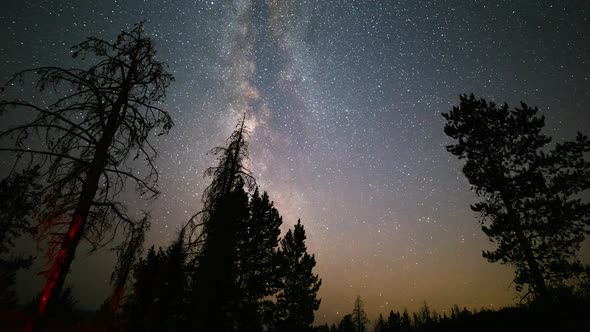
x=242, y=277
x=158, y=295
x=571, y=315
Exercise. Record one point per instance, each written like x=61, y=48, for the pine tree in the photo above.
x=159, y=295
x=346, y=324
x=380, y=325
x=531, y=207
x=217, y=295
x=258, y=259
x=406, y=322
x=359, y=315
x=424, y=316
x=139, y=307
x=84, y=139
x=19, y=193
x=296, y=299
x=173, y=297
x=394, y=323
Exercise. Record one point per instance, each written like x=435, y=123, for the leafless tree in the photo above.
x=89, y=143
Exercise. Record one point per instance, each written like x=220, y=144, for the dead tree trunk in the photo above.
x=61, y=265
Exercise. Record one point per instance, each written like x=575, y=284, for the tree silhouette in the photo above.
x=531, y=207
x=217, y=294
x=258, y=259
x=19, y=193
x=296, y=299
x=424, y=317
x=146, y=287
x=394, y=322
x=406, y=322
x=359, y=316
x=380, y=325
x=84, y=142
x=159, y=297
x=347, y=324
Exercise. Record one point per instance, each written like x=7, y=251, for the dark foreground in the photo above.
x=571, y=315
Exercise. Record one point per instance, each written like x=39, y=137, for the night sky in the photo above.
x=343, y=100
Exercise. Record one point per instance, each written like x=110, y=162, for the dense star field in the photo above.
x=343, y=101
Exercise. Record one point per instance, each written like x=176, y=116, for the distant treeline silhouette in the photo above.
x=568, y=311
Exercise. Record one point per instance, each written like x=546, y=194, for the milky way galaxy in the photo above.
x=343, y=101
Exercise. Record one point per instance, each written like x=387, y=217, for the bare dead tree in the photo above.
x=213, y=234
x=89, y=143
x=229, y=174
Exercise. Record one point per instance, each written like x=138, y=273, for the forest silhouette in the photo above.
x=229, y=268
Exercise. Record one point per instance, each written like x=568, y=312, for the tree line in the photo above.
x=571, y=314
x=228, y=268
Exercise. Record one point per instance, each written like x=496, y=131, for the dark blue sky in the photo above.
x=344, y=101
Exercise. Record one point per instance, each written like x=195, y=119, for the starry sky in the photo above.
x=343, y=101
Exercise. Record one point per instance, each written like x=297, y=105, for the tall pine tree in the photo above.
x=296, y=299
x=531, y=205
x=217, y=296
x=359, y=315
x=258, y=260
